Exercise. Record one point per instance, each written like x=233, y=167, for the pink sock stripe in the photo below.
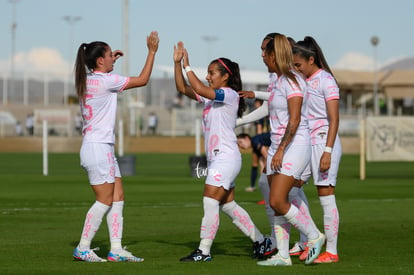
x=244, y=220
x=87, y=227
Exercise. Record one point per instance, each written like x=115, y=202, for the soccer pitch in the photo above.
x=41, y=218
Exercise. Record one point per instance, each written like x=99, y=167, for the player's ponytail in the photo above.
x=86, y=58
x=80, y=72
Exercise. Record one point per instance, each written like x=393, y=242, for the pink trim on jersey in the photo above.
x=315, y=73
x=294, y=95
x=123, y=87
x=332, y=97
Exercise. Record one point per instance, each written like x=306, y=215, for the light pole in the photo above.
x=71, y=20
x=209, y=39
x=374, y=43
x=13, y=47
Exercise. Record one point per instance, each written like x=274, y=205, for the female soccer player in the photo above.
x=222, y=106
x=98, y=91
x=290, y=150
x=323, y=117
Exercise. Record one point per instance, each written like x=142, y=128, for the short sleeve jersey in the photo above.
x=219, y=122
x=99, y=108
x=259, y=141
x=322, y=88
x=281, y=90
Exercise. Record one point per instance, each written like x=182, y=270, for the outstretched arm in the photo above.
x=257, y=114
x=143, y=78
x=255, y=94
x=196, y=83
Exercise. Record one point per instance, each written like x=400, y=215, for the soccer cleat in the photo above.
x=263, y=249
x=262, y=202
x=315, y=247
x=123, y=256
x=87, y=255
x=250, y=189
x=304, y=254
x=196, y=256
x=297, y=249
x=326, y=258
x=276, y=260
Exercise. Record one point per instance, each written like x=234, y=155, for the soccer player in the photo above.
x=98, y=90
x=290, y=150
x=222, y=106
x=323, y=117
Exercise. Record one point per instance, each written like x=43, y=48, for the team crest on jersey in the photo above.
x=314, y=84
x=321, y=134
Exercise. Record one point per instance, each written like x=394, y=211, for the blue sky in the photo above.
x=342, y=28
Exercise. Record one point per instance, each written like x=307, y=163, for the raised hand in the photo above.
x=117, y=54
x=153, y=41
x=178, y=52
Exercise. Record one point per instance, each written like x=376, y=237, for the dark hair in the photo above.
x=281, y=46
x=308, y=48
x=244, y=135
x=226, y=66
x=86, y=58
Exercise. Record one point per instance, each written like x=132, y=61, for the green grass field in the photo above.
x=41, y=218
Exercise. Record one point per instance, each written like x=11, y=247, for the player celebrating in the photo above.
x=97, y=92
x=222, y=105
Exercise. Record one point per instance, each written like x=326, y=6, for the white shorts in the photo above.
x=98, y=159
x=223, y=172
x=295, y=160
x=329, y=177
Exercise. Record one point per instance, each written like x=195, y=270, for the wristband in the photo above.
x=328, y=149
x=188, y=69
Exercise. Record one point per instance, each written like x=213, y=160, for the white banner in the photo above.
x=390, y=138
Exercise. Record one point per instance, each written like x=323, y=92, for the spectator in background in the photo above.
x=152, y=123
x=30, y=124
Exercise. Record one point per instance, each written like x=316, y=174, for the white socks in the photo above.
x=114, y=219
x=209, y=224
x=298, y=198
x=331, y=222
x=242, y=220
x=92, y=222
x=282, y=232
x=265, y=189
x=302, y=222
x=211, y=221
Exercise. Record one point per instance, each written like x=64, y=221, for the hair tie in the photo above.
x=225, y=66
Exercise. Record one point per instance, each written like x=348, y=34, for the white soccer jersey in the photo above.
x=281, y=89
x=99, y=109
x=219, y=121
x=322, y=87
